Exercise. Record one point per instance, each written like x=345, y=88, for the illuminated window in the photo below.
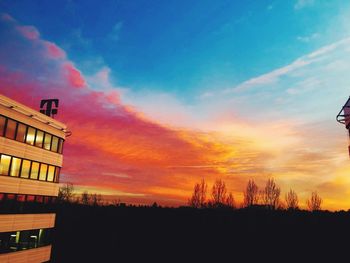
x=43, y=172
x=47, y=141
x=5, y=164
x=2, y=125
x=15, y=166
x=25, y=169
x=30, y=198
x=51, y=173
x=47, y=199
x=57, y=173
x=11, y=129
x=11, y=197
x=39, y=138
x=30, y=136
x=21, y=132
x=60, y=146
x=21, y=198
x=35, y=170
x=54, y=145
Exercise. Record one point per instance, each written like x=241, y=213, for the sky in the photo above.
x=160, y=94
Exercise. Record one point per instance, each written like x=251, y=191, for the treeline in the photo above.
x=268, y=197
x=217, y=196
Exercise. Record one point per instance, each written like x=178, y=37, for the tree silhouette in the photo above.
x=271, y=194
x=96, y=199
x=251, y=192
x=66, y=193
x=314, y=203
x=291, y=200
x=219, y=193
x=85, y=198
x=198, y=197
x=230, y=201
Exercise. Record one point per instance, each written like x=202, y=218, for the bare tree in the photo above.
x=219, y=193
x=230, y=201
x=66, y=193
x=96, y=199
x=271, y=194
x=85, y=198
x=198, y=197
x=314, y=203
x=292, y=200
x=251, y=194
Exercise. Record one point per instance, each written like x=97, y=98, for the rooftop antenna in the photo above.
x=343, y=117
x=49, y=107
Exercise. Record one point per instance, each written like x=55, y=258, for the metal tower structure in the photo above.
x=343, y=117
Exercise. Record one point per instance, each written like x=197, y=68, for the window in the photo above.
x=15, y=166
x=43, y=172
x=35, y=170
x=39, y=138
x=60, y=146
x=47, y=141
x=25, y=239
x=2, y=125
x=25, y=169
x=51, y=173
x=11, y=197
x=5, y=164
x=11, y=129
x=21, y=132
x=57, y=173
x=30, y=136
x=54, y=145
x=21, y=198
x=30, y=198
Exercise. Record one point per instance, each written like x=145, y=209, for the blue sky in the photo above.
x=183, y=47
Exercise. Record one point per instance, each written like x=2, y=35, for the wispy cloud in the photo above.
x=307, y=39
x=115, y=32
x=299, y=63
x=303, y=3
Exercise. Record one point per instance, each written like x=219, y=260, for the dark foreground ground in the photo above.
x=134, y=234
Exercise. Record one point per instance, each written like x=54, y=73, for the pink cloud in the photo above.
x=73, y=75
x=29, y=32
x=54, y=51
x=7, y=17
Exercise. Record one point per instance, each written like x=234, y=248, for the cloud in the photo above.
x=133, y=145
x=73, y=75
x=300, y=4
x=115, y=33
x=299, y=63
x=29, y=32
x=54, y=51
x=307, y=39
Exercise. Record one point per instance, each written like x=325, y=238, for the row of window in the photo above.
x=23, y=168
x=6, y=197
x=27, y=239
x=18, y=131
x=24, y=204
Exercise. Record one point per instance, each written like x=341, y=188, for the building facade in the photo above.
x=31, y=146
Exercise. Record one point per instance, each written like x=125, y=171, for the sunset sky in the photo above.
x=159, y=94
